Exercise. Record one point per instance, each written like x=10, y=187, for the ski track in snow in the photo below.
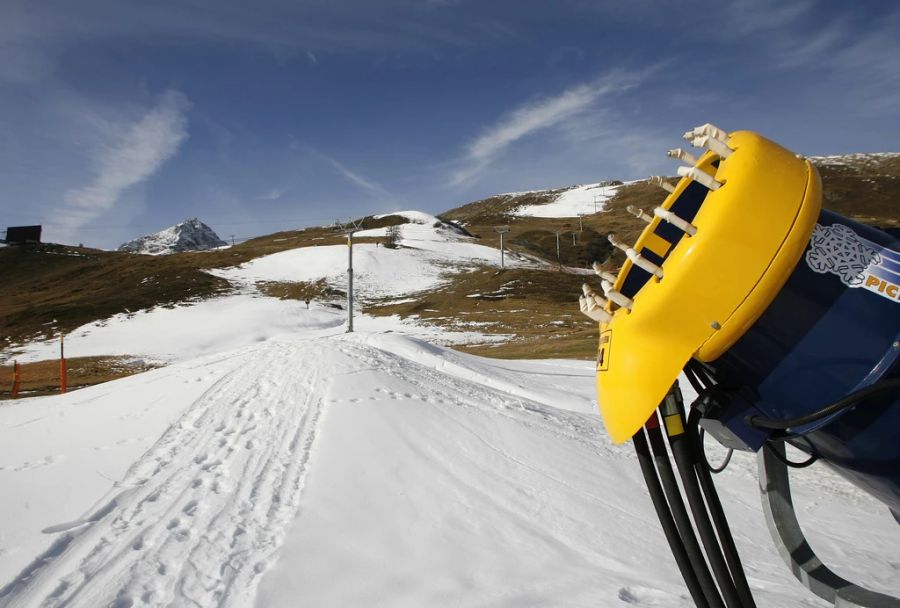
x=204, y=514
x=197, y=519
x=201, y=534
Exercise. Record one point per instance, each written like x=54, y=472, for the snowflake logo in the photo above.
x=838, y=250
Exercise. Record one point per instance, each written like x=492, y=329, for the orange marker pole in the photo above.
x=62, y=365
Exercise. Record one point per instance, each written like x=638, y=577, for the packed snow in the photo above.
x=363, y=469
x=580, y=200
x=186, y=331
x=280, y=461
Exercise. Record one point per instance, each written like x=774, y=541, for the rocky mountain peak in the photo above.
x=189, y=235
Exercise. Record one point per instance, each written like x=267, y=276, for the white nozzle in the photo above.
x=615, y=296
x=594, y=305
x=636, y=258
x=682, y=154
x=707, y=129
x=606, y=276
x=700, y=176
x=616, y=242
x=592, y=311
x=589, y=292
x=676, y=221
x=718, y=146
x=657, y=180
x=639, y=213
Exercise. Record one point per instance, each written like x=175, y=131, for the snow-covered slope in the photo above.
x=429, y=226
x=579, y=200
x=428, y=250
x=189, y=235
x=364, y=469
x=181, y=333
x=279, y=461
x=188, y=331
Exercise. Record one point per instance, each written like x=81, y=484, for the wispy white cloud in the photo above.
x=813, y=49
x=366, y=184
x=859, y=55
x=749, y=17
x=272, y=195
x=536, y=116
x=134, y=154
x=33, y=33
x=873, y=60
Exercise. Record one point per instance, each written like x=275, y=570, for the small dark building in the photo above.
x=23, y=234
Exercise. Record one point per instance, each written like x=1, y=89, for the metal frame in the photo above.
x=775, y=492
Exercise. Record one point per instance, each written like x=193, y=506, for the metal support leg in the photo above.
x=775, y=489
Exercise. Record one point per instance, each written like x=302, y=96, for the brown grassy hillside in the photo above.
x=50, y=288
x=534, y=311
x=53, y=288
x=863, y=187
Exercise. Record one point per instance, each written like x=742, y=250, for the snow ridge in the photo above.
x=575, y=201
x=422, y=219
x=204, y=533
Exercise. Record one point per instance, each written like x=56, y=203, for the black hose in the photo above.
x=849, y=401
x=706, y=376
x=712, y=469
x=680, y=514
x=665, y=519
x=726, y=539
x=687, y=460
x=790, y=463
x=693, y=379
x=703, y=388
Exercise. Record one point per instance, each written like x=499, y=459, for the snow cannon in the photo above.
x=785, y=320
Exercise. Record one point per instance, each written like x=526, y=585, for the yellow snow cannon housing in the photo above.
x=750, y=233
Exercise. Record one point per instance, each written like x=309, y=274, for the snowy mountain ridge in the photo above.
x=856, y=159
x=189, y=235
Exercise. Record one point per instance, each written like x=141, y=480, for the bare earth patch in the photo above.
x=42, y=377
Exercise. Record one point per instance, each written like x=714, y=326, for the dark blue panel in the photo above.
x=634, y=280
x=819, y=340
x=685, y=206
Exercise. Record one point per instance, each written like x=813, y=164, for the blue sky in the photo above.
x=120, y=118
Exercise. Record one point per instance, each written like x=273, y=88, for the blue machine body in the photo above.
x=833, y=329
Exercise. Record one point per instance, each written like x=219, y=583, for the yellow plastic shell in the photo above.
x=751, y=233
